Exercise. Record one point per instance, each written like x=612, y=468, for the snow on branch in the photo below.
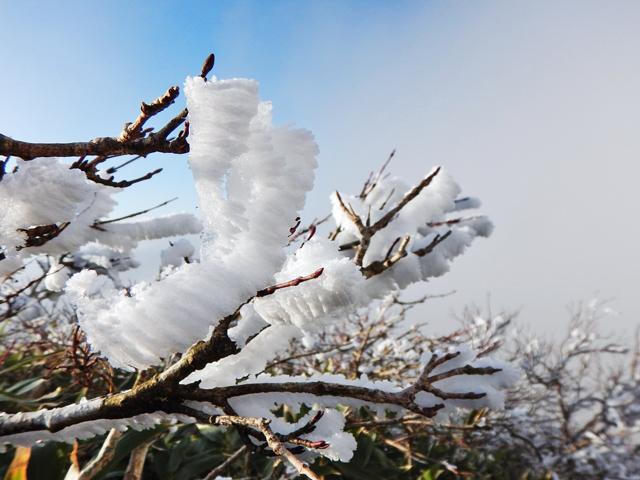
x=212, y=328
x=49, y=209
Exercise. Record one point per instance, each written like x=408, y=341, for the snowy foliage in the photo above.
x=572, y=413
x=250, y=289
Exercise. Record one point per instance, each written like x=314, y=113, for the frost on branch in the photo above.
x=252, y=295
x=252, y=179
x=50, y=209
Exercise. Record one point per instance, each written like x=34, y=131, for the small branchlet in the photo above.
x=133, y=140
x=366, y=230
x=293, y=229
x=109, y=182
x=292, y=283
x=113, y=220
x=377, y=267
x=311, y=229
x=434, y=243
x=453, y=221
x=371, y=182
x=260, y=429
x=132, y=131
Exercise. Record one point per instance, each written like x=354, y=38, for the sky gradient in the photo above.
x=534, y=107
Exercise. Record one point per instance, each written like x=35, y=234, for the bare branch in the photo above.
x=106, y=454
x=228, y=463
x=292, y=283
x=131, y=131
x=370, y=185
x=104, y=222
x=33, y=282
x=384, y=221
x=132, y=141
x=368, y=231
x=105, y=146
x=377, y=267
x=434, y=243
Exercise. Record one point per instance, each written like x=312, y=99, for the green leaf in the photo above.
x=49, y=461
x=211, y=433
x=16, y=387
x=196, y=465
x=433, y=473
x=178, y=454
x=33, y=383
x=363, y=453
x=383, y=459
x=27, y=362
x=355, y=472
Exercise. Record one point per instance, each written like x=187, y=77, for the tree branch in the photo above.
x=367, y=231
x=106, y=454
x=105, y=146
x=131, y=131
x=133, y=140
x=228, y=463
x=434, y=243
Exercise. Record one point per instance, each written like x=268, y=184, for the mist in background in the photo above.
x=534, y=107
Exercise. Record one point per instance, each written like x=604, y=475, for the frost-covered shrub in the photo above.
x=205, y=332
x=573, y=413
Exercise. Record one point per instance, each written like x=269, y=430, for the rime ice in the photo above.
x=252, y=179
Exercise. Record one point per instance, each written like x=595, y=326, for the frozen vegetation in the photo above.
x=204, y=336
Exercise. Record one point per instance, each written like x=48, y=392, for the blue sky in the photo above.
x=532, y=106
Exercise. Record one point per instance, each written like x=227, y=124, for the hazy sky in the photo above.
x=532, y=106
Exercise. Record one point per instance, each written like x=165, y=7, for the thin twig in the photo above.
x=104, y=222
x=137, y=460
x=227, y=464
x=106, y=454
x=368, y=231
x=131, y=131
x=369, y=186
x=437, y=240
x=291, y=283
x=377, y=267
